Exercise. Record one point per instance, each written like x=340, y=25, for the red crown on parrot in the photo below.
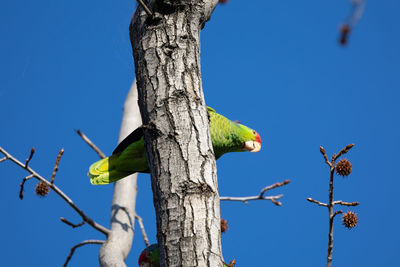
x=143, y=258
x=258, y=137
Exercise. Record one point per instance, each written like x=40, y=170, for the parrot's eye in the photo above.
x=254, y=132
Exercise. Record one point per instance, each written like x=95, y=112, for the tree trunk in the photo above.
x=119, y=241
x=166, y=49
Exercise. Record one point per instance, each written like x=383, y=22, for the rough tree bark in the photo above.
x=166, y=49
x=119, y=241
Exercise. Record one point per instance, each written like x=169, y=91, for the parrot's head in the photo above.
x=254, y=144
x=250, y=138
x=231, y=136
x=149, y=257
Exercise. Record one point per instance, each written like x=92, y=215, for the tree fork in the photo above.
x=166, y=49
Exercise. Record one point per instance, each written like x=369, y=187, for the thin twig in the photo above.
x=59, y=192
x=3, y=159
x=21, y=191
x=278, y=203
x=275, y=185
x=149, y=13
x=71, y=224
x=351, y=21
x=322, y=150
x=317, y=202
x=140, y=221
x=273, y=199
x=358, y=9
x=86, y=242
x=343, y=203
x=30, y=157
x=336, y=213
x=342, y=152
x=91, y=144
x=53, y=176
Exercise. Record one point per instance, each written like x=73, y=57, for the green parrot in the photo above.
x=149, y=257
x=130, y=155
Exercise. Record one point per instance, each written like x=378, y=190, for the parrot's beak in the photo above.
x=252, y=146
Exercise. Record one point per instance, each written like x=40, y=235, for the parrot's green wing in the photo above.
x=128, y=157
x=134, y=136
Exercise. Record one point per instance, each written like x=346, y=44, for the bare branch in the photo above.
x=331, y=202
x=30, y=157
x=53, y=176
x=59, y=192
x=148, y=12
x=317, y=202
x=351, y=21
x=71, y=224
x=86, y=242
x=122, y=220
x=273, y=199
x=3, y=159
x=21, y=191
x=250, y=198
x=339, y=202
x=140, y=221
x=91, y=144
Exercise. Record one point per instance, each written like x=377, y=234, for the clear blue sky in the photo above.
x=274, y=65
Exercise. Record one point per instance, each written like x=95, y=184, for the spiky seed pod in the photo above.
x=42, y=189
x=343, y=167
x=350, y=219
x=224, y=225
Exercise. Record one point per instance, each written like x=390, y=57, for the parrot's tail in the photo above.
x=103, y=172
